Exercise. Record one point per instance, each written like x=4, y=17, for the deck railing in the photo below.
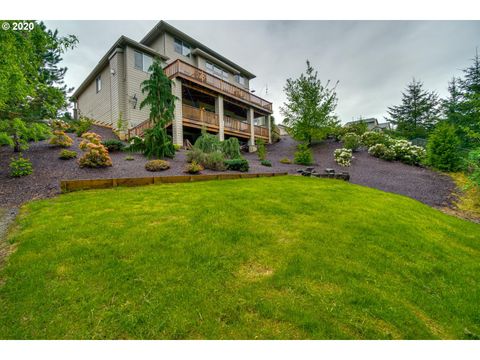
x=178, y=67
x=199, y=115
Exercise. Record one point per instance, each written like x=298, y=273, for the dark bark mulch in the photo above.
x=427, y=186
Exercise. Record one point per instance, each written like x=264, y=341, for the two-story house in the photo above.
x=213, y=92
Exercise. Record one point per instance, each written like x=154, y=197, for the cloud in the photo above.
x=373, y=60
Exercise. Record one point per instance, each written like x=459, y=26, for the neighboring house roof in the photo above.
x=385, y=125
x=369, y=121
x=122, y=41
x=162, y=26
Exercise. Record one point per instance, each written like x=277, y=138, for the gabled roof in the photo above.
x=162, y=27
x=121, y=42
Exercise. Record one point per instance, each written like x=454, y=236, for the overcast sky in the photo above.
x=373, y=60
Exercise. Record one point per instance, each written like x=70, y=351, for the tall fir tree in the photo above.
x=470, y=106
x=452, y=105
x=418, y=113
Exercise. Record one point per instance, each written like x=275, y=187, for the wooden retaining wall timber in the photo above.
x=73, y=185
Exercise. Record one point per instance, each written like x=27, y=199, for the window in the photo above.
x=142, y=61
x=240, y=79
x=182, y=48
x=214, y=69
x=98, y=83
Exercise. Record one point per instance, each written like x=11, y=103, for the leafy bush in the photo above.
x=443, y=148
x=82, y=126
x=177, y=147
x=261, y=150
x=214, y=161
x=382, y=151
x=371, y=138
x=5, y=139
x=473, y=165
x=193, y=168
x=113, y=145
x=266, y=163
x=407, y=153
x=136, y=144
x=96, y=154
x=67, y=154
x=351, y=141
x=208, y=143
x=343, y=157
x=20, y=167
x=304, y=155
x=157, y=165
x=37, y=132
x=231, y=148
x=285, y=161
x=237, y=165
x=129, y=158
x=196, y=155
x=60, y=139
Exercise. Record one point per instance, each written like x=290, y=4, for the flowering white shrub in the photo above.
x=382, y=151
x=371, y=138
x=407, y=153
x=343, y=157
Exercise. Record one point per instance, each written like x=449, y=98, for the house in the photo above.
x=372, y=124
x=282, y=129
x=213, y=92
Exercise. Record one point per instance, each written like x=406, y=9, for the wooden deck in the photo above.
x=196, y=75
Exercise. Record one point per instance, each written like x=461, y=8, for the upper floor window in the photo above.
x=214, y=69
x=98, y=83
x=182, y=48
x=240, y=79
x=142, y=61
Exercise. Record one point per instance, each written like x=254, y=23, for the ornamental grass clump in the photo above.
x=193, y=168
x=96, y=154
x=157, y=165
x=343, y=157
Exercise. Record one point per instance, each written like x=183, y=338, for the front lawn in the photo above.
x=285, y=257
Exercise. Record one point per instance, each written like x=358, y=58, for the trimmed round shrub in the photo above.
x=382, y=151
x=343, y=157
x=20, y=167
x=157, y=165
x=351, y=141
x=237, y=165
x=193, y=168
x=266, y=163
x=285, y=161
x=67, y=154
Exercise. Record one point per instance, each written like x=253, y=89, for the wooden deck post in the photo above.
x=177, y=123
x=219, y=112
x=250, y=118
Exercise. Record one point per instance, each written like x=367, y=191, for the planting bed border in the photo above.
x=73, y=185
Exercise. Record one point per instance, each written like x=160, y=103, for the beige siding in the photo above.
x=134, y=78
x=97, y=106
x=201, y=61
x=159, y=44
x=118, y=87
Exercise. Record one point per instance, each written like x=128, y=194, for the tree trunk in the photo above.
x=16, y=141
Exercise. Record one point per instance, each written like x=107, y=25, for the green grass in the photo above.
x=287, y=257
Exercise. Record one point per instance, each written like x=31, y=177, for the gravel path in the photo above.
x=422, y=184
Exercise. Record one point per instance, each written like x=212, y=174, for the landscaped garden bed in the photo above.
x=284, y=257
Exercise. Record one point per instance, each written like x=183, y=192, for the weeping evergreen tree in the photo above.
x=158, y=89
x=418, y=113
